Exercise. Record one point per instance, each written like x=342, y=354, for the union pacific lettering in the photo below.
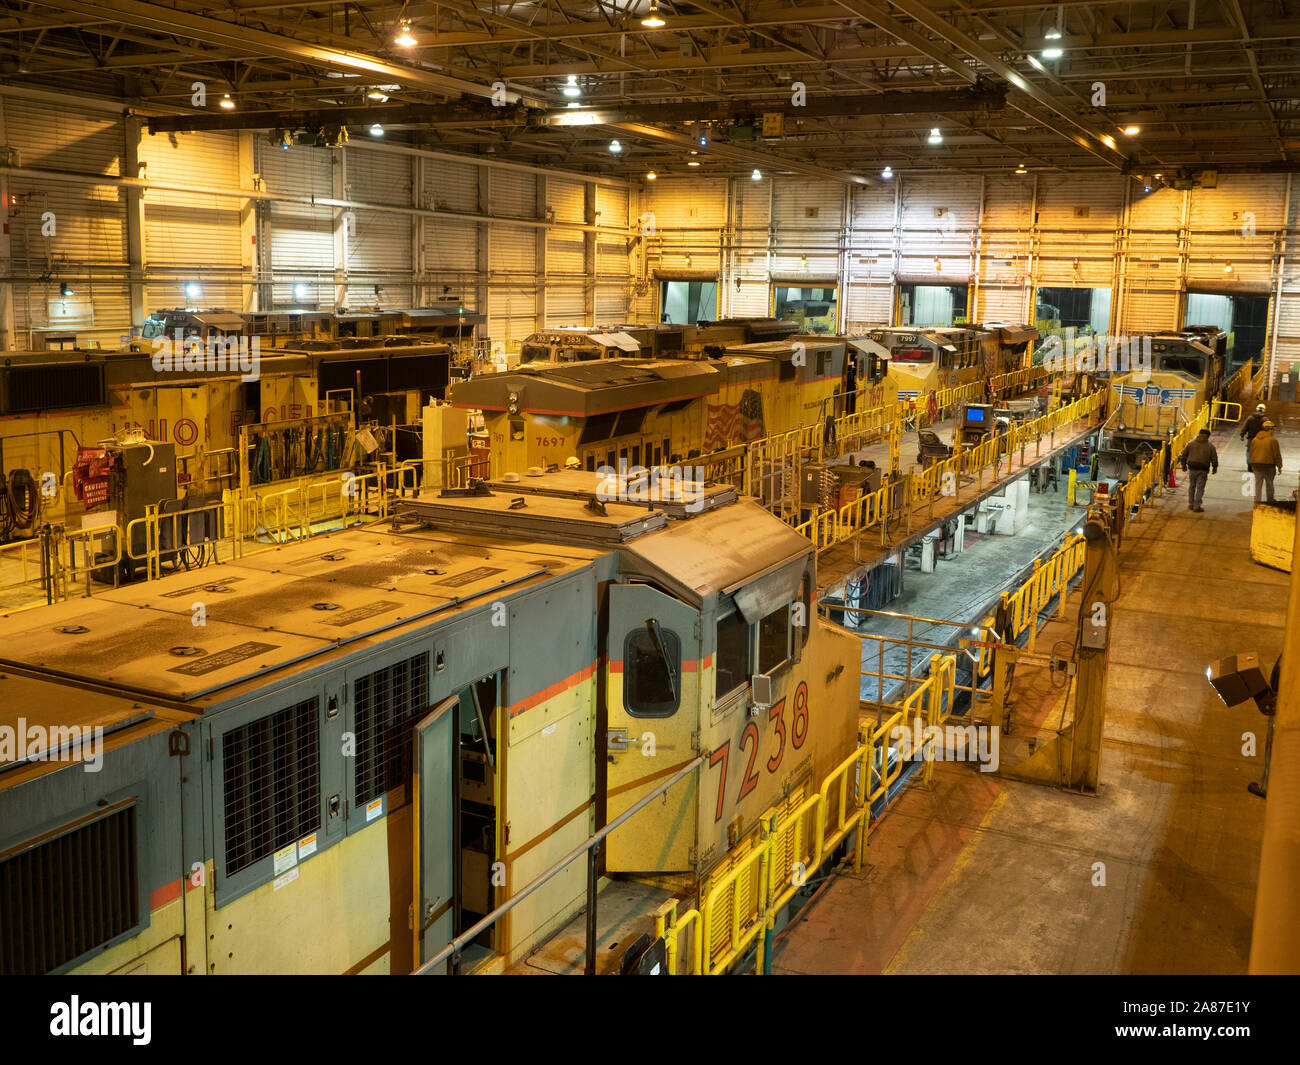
x=186, y=431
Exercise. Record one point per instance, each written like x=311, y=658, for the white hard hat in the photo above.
x=1261, y=408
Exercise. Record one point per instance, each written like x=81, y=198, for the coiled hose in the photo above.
x=20, y=503
x=262, y=461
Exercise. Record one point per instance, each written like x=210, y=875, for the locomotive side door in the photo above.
x=434, y=805
x=653, y=693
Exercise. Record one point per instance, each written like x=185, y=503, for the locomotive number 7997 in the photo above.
x=797, y=734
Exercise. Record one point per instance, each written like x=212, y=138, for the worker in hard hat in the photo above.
x=1265, y=459
x=1198, y=458
x=1250, y=428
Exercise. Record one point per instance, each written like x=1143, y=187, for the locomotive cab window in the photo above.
x=732, y=658
x=652, y=671
x=775, y=646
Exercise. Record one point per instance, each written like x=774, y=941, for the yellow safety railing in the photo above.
x=740, y=903
x=1149, y=480
x=1050, y=578
x=1238, y=383
x=945, y=478
x=946, y=400
x=1018, y=380
x=1259, y=382
x=1223, y=412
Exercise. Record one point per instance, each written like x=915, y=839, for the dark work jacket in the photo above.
x=1253, y=425
x=1200, y=455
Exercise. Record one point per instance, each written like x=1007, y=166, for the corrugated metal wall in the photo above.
x=190, y=236
x=301, y=234
x=67, y=232
x=378, y=244
x=1006, y=235
x=939, y=219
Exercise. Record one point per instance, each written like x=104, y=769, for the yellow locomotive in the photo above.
x=653, y=412
x=195, y=397
x=1158, y=383
x=928, y=360
x=340, y=754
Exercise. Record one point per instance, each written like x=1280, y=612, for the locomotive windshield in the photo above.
x=1188, y=364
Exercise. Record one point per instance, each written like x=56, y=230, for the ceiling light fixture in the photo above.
x=405, y=38
x=757, y=175
x=227, y=102
x=1131, y=131
x=376, y=130
x=1053, y=52
x=887, y=173
x=652, y=20
x=1053, y=34
x=571, y=88
x=193, y=290
x=377, y=94
x=693, y=162
x=935, y=136
x=651, y=176
x=1021, y=169
x=1227, y=268
x=615, y=147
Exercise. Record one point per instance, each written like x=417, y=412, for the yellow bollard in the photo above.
x=1074, y=476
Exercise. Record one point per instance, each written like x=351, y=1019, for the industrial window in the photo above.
x=271, y=769
x=69, y=895
x=788, y=371
x=731, y=660
x=630, y=421
x=598, y=427
x=774, y=639
x=386, y=705
x=652, y=672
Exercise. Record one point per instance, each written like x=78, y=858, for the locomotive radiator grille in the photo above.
x=387, y=704
x=68, y=895
x=271, y=769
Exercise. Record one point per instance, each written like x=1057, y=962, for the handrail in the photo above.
x=471, y=933
x=944, y=478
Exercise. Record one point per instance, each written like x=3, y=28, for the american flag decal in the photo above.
x=739, y=423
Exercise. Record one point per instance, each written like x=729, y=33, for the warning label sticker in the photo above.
x=224, y=659
x=459, y=580
x=360, y=613
x=281, y=881
x=286, y=858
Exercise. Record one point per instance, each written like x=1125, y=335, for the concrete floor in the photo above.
x=980, y=874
